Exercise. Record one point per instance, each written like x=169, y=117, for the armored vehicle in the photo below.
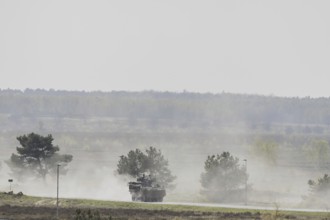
x=146, y=189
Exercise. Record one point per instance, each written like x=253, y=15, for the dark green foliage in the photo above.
x=89, y=215
x=223, y=178
x=321, y=186
x=152, y=162
x=38, y=156
x=133, y=164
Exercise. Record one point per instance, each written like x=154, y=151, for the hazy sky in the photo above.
x=279, y=47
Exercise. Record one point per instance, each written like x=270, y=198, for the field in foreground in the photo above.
x=28, y=207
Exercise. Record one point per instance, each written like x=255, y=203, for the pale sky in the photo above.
x=279, y=47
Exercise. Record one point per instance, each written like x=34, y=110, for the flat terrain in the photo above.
x=27, y=207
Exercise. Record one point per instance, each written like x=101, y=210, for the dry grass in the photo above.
x=27, y=207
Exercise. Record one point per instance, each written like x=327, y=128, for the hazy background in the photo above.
x=263, y=47
x=278, y=48
x=98, y=127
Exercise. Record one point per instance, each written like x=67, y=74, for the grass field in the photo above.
x=29, y=207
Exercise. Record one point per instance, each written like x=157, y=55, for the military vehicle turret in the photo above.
x=146, y=189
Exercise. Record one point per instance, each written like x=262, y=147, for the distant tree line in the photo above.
x=204, y=108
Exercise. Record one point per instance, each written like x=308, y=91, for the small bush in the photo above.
x=89, y=215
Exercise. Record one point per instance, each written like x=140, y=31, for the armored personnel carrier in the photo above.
x=146, y=189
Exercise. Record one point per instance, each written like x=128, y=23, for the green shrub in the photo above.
x=88, y=215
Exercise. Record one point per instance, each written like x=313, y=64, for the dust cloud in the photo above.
x=92, y=175
x=83, y=180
